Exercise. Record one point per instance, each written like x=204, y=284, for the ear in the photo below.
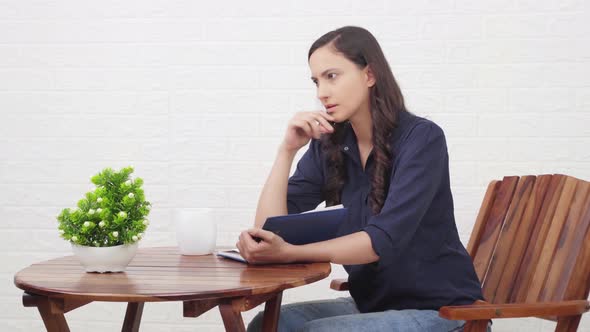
x=370, y=77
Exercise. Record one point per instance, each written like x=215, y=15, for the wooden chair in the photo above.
x=531, y=250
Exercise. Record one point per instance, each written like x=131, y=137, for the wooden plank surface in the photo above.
x=493, y=225
x=482, y=218
x=579, y=283
x=537, y=239
x=521, y=240
x=514, y=310
x=162, y=274
x=551, y=242
x=569, y=246
x=506, y=239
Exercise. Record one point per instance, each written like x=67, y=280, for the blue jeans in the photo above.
x=342, y=315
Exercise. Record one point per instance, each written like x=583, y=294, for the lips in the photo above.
x=330, y=106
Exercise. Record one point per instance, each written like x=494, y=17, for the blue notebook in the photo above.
x=301, y=228
x=307, y=227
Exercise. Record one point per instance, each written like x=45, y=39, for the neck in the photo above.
x=362, y=124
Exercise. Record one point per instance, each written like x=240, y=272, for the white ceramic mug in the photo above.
x=196, y=230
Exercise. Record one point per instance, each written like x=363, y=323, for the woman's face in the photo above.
x=342, y=87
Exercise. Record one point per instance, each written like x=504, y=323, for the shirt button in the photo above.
x=346, y=148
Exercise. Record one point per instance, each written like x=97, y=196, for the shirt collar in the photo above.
x=349, y=144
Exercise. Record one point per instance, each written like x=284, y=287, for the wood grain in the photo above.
x=569, y=245
x=537, y=239
x=482, y=217
x=493, y=226
x=198, y=307
x=162, y=274
x=508, y=284
x=272, y=311
x=503, y=248
x=531, y=249
x=568, y=323
x=513, y=310
x=551, y=241
x=133, y=317
x=54, y=322
x=232, y=319
x=578, y=285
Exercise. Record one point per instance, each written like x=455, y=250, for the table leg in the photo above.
x=132, y=317
x=232, y=318
x=51, y=310
x=231, y=311
x=54, y=322
x=272, y=311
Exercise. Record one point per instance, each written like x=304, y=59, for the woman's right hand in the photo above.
x=304, y=126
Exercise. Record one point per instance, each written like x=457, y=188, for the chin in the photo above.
x=339, y=119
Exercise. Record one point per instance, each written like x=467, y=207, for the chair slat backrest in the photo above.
x=531, y=239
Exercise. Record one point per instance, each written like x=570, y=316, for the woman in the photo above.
x=400, y=244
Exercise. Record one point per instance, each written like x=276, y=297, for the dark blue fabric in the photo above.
x=422, y=263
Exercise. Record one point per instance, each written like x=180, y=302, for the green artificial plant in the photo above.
x=113, y=214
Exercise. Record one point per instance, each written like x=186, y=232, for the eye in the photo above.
x=332, y=76
x=315, y=82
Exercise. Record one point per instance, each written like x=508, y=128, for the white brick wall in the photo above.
x=196, y=95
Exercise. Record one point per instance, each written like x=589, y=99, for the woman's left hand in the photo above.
x=271, y=249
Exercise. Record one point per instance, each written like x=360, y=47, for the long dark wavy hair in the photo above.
x=386, y=102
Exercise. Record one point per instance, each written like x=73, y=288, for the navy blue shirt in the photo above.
x=422, y=263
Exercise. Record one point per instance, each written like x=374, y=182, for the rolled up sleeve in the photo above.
x=422, y=162
x=304, y=191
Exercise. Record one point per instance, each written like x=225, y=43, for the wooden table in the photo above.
x=161, y=274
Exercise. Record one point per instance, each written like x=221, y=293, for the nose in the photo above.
x=323, y=92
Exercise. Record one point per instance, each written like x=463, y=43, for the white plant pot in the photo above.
x=105, y=259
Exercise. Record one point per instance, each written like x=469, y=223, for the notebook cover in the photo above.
x=304, y=228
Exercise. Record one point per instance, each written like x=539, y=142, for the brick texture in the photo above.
x=196, y=96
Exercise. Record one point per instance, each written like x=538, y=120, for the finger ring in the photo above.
x=317, y=122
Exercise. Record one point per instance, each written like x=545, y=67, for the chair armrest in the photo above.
x=512, y=310
x=339, y=284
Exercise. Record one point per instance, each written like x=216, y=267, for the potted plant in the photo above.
x=105, y=227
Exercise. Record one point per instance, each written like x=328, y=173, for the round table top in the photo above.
x=163, y=274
